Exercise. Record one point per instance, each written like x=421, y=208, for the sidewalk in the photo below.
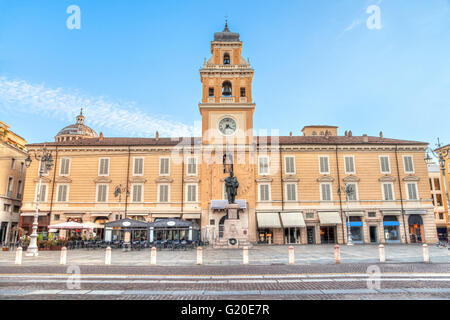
x=258, y=255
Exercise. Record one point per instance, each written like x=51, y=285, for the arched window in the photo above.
x=226, y=58
x=226, y=89
x=314, y=133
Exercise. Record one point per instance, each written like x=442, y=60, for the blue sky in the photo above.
x=134, y=65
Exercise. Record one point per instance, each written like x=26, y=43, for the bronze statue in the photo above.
x=231, y=185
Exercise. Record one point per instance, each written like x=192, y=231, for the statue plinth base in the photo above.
x=234, y=236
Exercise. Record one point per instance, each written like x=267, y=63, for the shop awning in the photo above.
x=170, y=223
x=221, y=204
x=127, y=224
x=191, y=216
x=268, y=220
x=31, y=214
x=355, y=214
x=418, y=211
x=329, y=218
x=391, y=213
x=292, y=220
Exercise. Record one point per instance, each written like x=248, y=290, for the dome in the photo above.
x=226, y=35
x=76, y=131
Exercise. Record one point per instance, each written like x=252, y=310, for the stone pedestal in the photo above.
x=233, y=232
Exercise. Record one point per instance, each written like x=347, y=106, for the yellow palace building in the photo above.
x=292, y=189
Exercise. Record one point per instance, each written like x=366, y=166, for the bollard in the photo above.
x=337, y=254
x=108, y=256
x=426, y=254
x=199, y=255
x=291, y=255
x=63, y=259
x=19, y=252
x=153, y=256
x=382, y=253
x=245, y=255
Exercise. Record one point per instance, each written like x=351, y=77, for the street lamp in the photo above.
x=348, y=192
x=118, y=193
x=46, y=164
x=441, y=155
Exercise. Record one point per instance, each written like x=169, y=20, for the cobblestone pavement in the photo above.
x=344, y=281
x=258, y=255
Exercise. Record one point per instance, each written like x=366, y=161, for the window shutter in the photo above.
x=104, y=164
x=412, y=191
x=409, y=166
x=192, y=193
x=324, y=165
x=42, y=193
x=164, y=168
x=385, y=164
x=263, y=165
x=264, y=189
x=163, y=193
x=138, y=165
x=349, y=165
x=326, y=192
x=291, y=192
x=192, y=166
x=290, y=164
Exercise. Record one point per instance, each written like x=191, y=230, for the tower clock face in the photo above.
x=227, y=126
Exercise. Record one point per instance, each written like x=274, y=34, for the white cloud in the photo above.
x=124, y=118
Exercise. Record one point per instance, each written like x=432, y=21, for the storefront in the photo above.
x=328, y=226
x=267, y=223
x=442, y=233
x=173, y=229
x=292, y=224
x=415, y=225
x=391, y=227
x=127, y=230
x=356, y=229
x=27, y=219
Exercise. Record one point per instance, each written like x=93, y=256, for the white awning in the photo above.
x=221, y=204
x=391, y=212
x=268, y=220
x=191, y=216
x=418, y=211
x=329, y=218
x=355, y=214
x=292, y=220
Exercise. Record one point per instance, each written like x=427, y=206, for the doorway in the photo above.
x=328, y=235
x=415, y=228
x=373, y=234
x=291, y=235
x=221, y=224
x=311, y=235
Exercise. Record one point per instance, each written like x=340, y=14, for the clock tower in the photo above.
x=227, y=107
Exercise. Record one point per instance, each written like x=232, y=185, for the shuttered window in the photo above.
x=164, y=166
x=264, y=192
x=192, y=166
x=349, y=164
x=64, y=169
x=43, y=193
x=137, y=193
x=291, y=192
x=191, y=193
x=163, y=193
x=323, y=165
x=138, y=166
x=43, y=167
x=409, y=164
x=62, y=192
x=289, y=165
x=102, y=192
x=388, y=192
x=263, y=165
x=325, y=189
x=103, y=169
x=353, y=191
x=384, y=164
x=412, y=191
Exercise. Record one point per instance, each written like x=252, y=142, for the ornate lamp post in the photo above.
x=348, y=192
x=46, y=164
x=441, y=155
x=118, y=193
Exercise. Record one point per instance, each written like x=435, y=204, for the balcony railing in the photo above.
x=226, y=99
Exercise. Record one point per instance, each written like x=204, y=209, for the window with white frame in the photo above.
x=137, y=190
x=42, y=196
x=412, y=191
x=164, y=166
x=163, y=193
x=192, y=166
x=62, y=193
x=191, y=192
x=64, y=168
x=324, y=167
x=102, y=193
x=138, y=166
x=385, y=166
x=263, y=168
x=325, y=191
x=103, y=167
x=388, y=191
x=289, y=165
x=408, y=164
x=264, y=192
x=349, y=164
x=291, y=191
x=353, y=194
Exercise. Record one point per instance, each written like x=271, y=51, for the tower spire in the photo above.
x=226, y=25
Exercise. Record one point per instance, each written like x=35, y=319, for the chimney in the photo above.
x=157, y=135
x=381, y=134
x=350, y=134
x=290, y=134
x=346, y=133
x=101, y=136
x=365, y=138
